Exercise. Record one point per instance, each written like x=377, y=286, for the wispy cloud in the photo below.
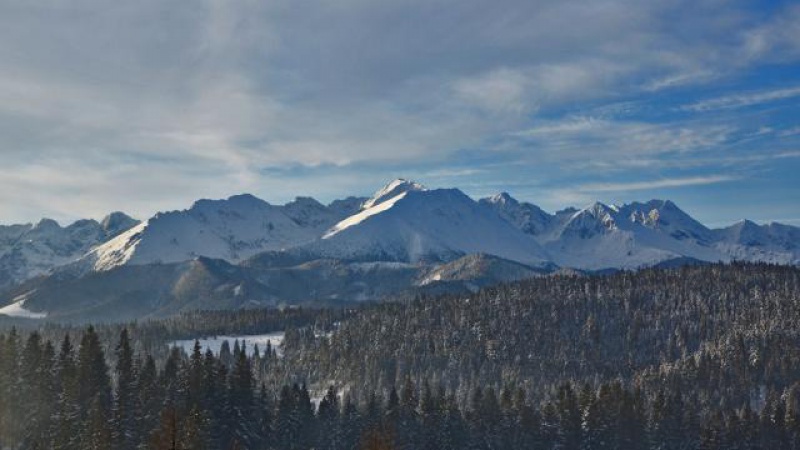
x=655, y=184
x=741, y=100
x=691, y=162
x=585, y=139
x=683, y=78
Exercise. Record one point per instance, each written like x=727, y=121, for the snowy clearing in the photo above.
x=215, y=342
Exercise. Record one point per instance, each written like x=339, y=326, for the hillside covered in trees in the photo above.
x=701, y=357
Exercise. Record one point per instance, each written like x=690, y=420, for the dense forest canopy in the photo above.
x=692, y=357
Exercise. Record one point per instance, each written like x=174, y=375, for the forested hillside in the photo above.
x=696, y=357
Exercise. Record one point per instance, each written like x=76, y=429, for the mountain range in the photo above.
x=405, y=239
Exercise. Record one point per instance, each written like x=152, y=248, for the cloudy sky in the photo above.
x=148, y=105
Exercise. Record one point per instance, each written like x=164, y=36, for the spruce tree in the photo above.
x=125, y=434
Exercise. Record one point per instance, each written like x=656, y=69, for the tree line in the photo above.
x=690, y=358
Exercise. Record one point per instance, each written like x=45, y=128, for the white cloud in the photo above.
x=587, y=139
x=744, y=99
x=681, y=78
x=501, y=90
x=147, y=105
x=655, y=184
x=776, y=40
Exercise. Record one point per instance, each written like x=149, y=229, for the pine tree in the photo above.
x=49, y=396
x=304, y=414
x=151, y=396
x=167, y=435
x=350, y=423
x=96, y=433
x=569, y=418
x=195, y=383
x=266, y=431
x=328, y=435
x=95, y=383
x=125, y=409
x=287, y=428
x=241, y=398
x=66, y=420
x=213, y=399
x=33, y=385
x=407, y=429
x=194, y=433
x=11, y=426
x=430, y=417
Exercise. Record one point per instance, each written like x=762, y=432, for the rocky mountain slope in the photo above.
x=156, y=290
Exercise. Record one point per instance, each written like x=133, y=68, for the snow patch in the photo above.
x=215, y=343
x=17, y=309
x=392, y=190
x=117, y=251
x=363, y=215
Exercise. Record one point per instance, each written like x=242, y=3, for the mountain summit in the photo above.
x=391, y=190
x=402, y=233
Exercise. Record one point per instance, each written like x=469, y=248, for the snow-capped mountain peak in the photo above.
x=594, y=219
x=391, y=190
x=526, y=216
x=117, y=222
x=230, y=229
x=402, y=222
x=666, y=217
x=30, y=250
x=427, y=225
x=503, y=198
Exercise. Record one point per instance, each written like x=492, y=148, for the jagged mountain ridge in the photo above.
x=233, y=230
x=638, y=234
x=404, y=221
x=30, y=250
x=409, y=236
x=417, y=224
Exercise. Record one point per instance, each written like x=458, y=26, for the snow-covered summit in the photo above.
x=590, y=221
x=426, y=225
x=526, y=216
x=231, y=229
x=402, y=222
x=772, y=242
x=391, y=190
x=29, y=250
x=666, y=217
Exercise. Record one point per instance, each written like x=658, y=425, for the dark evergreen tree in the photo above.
x=125, y=433
x=328, y=433
x=65, y=424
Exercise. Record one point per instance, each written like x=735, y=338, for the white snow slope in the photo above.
x=425, y=225
x=643, y=234
x=17, y=309
x=232, y=229
x=402, y=222
x=30, y=250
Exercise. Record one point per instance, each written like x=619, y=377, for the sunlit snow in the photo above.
x=17, y=309
x=363, y=215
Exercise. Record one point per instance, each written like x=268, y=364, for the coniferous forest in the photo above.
x=703, y=357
